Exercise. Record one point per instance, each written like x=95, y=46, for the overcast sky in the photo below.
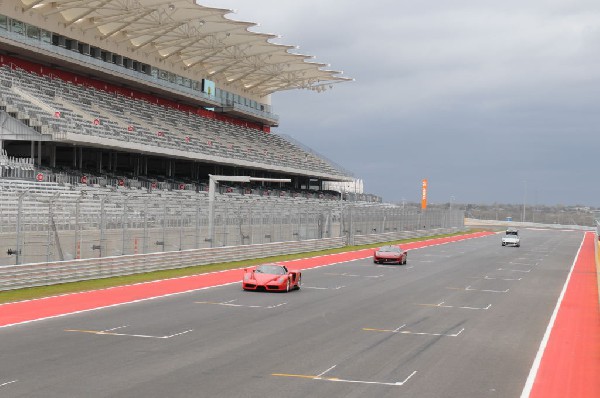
x=491, y=101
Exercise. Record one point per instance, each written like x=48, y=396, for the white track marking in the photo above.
x=398, y=331
x=336, y=379
x=514, y=270
x=442, y=305
x=118, y=327
x=538, y=357
x=396, y=266
x=105, y=333
x=515, y=263
x=322, y=373
x=230, y=304
x=8, y=382
x=433, y=334
x=323, y=288
x=490, y=278
x=354, y=275
x=112, y=305
x=470, y=289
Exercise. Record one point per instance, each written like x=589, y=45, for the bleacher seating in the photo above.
x=15, y=167
x=54, y=106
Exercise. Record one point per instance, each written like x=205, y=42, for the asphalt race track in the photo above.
x=463, y=319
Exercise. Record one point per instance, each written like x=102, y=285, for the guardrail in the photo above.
x=473, y=222
x=43, y=274
x=392, y=236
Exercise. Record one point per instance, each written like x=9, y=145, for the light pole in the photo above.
x=524, y=200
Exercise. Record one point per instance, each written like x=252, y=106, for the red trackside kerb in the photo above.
x=570, y=365
x=31, y=310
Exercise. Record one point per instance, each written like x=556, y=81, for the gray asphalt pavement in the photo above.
x=459, y=320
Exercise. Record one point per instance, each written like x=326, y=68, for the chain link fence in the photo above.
x=59, y=223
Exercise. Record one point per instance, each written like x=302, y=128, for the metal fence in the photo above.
x=473, y=222
x=51, y=222
x=41, y=274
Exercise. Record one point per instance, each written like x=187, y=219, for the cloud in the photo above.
x=457, y=91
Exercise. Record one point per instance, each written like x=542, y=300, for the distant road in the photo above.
x=463, y=319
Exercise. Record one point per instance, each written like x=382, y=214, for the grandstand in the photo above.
x=115, y=114
x=151, y=91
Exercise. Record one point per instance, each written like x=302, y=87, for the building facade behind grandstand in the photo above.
x=113, y=115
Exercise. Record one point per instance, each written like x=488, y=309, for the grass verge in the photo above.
x=95, y=284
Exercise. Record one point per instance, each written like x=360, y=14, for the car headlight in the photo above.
x=282, y=279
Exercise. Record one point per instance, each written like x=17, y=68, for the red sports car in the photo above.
x=392, y=254
x=271, y=277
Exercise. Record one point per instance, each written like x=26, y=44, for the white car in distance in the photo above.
x=511, y=238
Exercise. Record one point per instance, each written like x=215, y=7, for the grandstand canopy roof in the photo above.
x=201, y=38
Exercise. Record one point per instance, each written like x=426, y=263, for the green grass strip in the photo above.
x=74, y=287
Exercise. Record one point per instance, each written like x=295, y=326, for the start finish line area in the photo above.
x=567, y=363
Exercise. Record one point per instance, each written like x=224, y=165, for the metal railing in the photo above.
x=60, y=225
x=474, y=222
x=42, y=274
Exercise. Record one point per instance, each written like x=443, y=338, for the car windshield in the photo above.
x=394, y=249
x=270, y=269
x=512, y=232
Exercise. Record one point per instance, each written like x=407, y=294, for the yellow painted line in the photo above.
x=292, y=375
x=378, y=330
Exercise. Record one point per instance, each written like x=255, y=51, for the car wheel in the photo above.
x=287, y=287
x=405, y=260
x=299, y=282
